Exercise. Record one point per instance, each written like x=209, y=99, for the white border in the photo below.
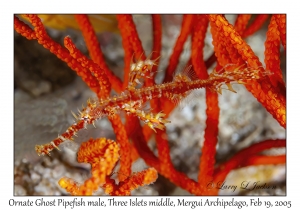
x=8, y=8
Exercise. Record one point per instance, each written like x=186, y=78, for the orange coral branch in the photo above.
x=166, y=165
x=94, y=68
x=147, y=132
x=264, y=160
x=240, y=26
x=271, y=97
x=239, y=160
x=127, y=61
x=69, y=185
x=255, y=25
x=221, y=53
x=198, y=37
x=226, y=30
x=155, y=104
x=272, y=54
x=128, y=51
x=157, y=40
x=62, y=53
x=139, y=141
x=227, y=53
x=167, y=169
x=103, y=154
x=156, y=48
x=281, y=22
x=96, y=54
x=132, y=45
x=241, y=23
x=222, y=171
x=207, y=160
x=210, y=61
x=131, y=34
x=121, y=135
x=23, y=29
x=138, y=179
x=94, y=150
x=186, y=29
x=116, y=121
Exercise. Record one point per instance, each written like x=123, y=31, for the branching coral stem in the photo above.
x=96, y=54
x=207, y=159
x=103, y=154
x=42, y=37
x=222, y=171
x=271, y=97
